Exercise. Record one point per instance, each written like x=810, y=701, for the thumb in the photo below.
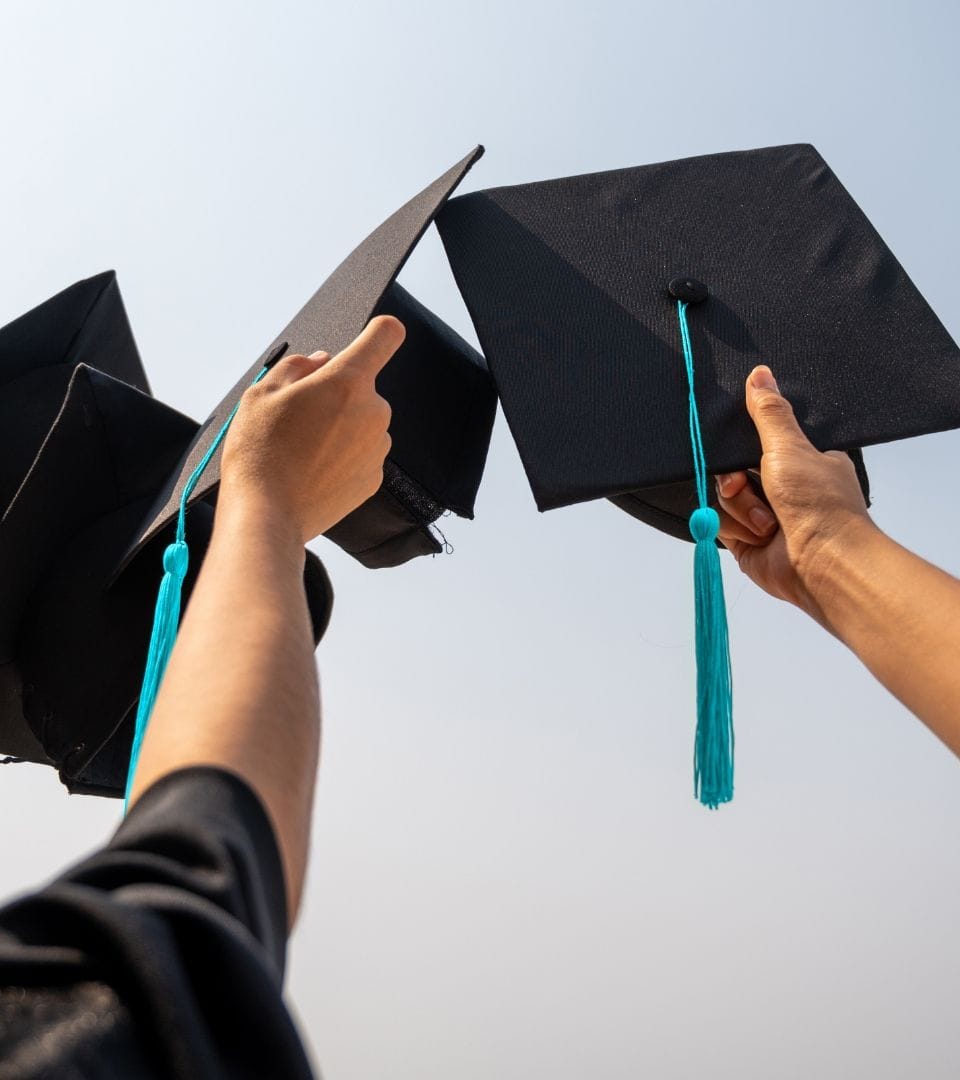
x=372, y=348
x=771, y=413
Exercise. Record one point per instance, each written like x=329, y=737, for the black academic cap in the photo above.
x=93, y=469
x=85, y=450
x=573, y=285
x=441, y=394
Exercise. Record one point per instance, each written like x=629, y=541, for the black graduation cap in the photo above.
x=442, y=398
x=578, y=287
x=93, y=469
x=568, y=285
x=85, y=449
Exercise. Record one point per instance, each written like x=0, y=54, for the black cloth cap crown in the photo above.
x=85, y=450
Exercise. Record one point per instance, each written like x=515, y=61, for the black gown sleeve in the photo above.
x=161, y=955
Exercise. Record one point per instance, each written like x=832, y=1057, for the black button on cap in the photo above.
x=687, y=288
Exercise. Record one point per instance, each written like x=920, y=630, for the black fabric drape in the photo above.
x=161, y=955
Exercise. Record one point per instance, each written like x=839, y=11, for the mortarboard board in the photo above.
x=593, y=295
x=94, y=469
x=437, y=385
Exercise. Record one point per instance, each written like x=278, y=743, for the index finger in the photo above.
x=372, y=348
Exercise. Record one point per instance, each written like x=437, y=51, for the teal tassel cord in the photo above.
x=714, y=743
x=166, y=615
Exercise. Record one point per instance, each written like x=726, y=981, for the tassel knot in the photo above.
x=705, y=524
x=176, y=559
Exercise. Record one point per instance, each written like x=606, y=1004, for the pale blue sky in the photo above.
x=511, y=878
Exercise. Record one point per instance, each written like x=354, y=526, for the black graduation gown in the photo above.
x=161, y=955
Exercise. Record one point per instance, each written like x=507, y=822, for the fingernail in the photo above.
x=763, y=521
x=723, y=483
x=762, y=379
x=320, y=355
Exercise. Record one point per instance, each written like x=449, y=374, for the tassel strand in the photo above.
x=714, y=741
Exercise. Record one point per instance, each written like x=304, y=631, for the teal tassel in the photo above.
x=166, y=615
x=166, y=618
x=714, y=742
x=713, y=748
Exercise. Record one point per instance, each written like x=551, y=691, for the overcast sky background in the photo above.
x=510, y=877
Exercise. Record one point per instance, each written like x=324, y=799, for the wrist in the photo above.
x=830, y=563
x=249, y=510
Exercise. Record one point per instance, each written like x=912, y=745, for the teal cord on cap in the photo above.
x=713, y=746
x=166, y=616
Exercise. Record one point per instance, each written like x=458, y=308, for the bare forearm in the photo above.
x=901, y=616
x=240, y=690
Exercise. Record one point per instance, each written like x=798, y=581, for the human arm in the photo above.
x=240, y=691
x=898, y=613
